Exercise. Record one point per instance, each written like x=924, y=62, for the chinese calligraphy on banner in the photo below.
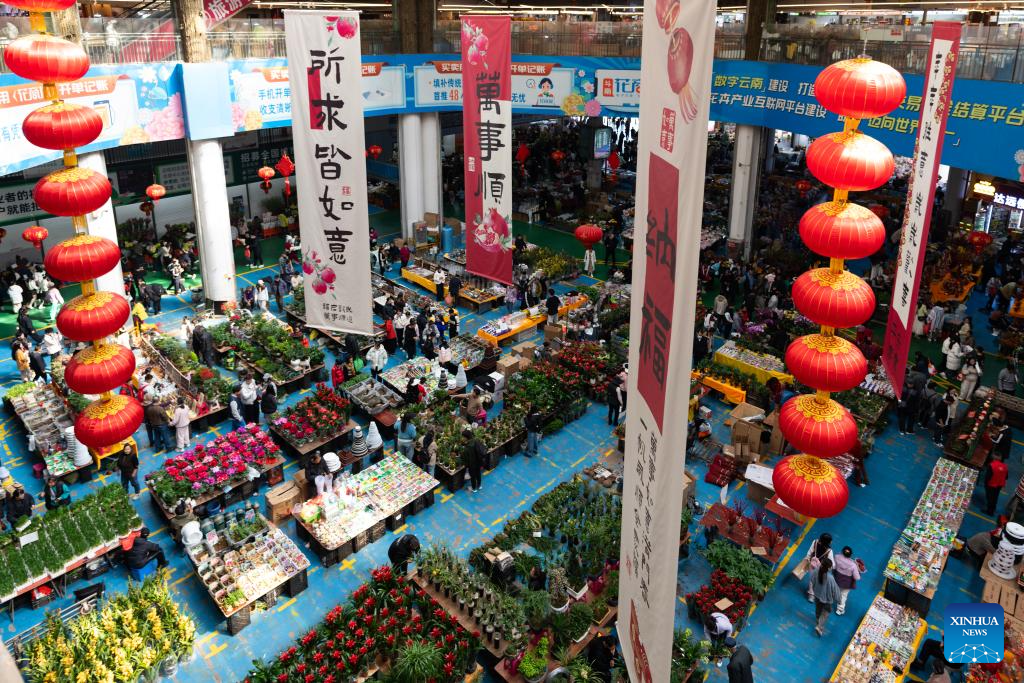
x=330, y=168
x=938, y=86
x=487, y=126
x=676, y=71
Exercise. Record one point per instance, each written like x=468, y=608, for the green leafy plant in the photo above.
x=417, y=663
x=535, y=661
x=580, y=616
x=688, y=654
x=740, y=564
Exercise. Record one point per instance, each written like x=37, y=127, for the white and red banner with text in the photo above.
x=487, y=130
x=938, y=84
x=674, y=103
x=330, y=167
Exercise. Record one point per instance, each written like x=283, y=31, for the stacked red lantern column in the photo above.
x=833, y=297
x=74, y=191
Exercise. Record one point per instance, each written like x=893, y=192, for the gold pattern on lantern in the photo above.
x=81, y=240
x=852, y=64
x=101, y=410
x=846, y=138
x=90, y=302
x=827, y=411
x=826, y=344
x=73, y=174
x=843, y=281
x=811, y=469
x=97, y=354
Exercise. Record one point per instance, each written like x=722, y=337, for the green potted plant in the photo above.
x=417, y=662
x=534, y=664
x=580, y=616
x=688, y=655
x=536, y=608
x=558, y=586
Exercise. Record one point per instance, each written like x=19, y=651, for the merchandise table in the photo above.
x=373, y=397
x=271, y=473
x=397, y=378
x=883, y=645
x=98, y=454
x=239, y=572
x=335, y=338
x=362, y=506
x=166, y=370
x=419, y=276
x=328, y=443
x=969, y=443
x=44, y=414
x=477, y=299
x=762, y=366
x=939, y=294
x=919, y=557
x=518, y=326
x=732, y=394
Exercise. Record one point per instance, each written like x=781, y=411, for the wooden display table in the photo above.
x=1006, y=592
x=271, y=474
x=98, y=454
x=787, y=513
x=425, y=283
x=715, y=518
x=315, y=374
x=328, y=443
x=729, y=392
x=529, y=325
x=479, y=304
x=939, y=294
x=868, y=624
x=334, y=338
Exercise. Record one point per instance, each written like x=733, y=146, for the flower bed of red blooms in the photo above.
x=380, y=619
x=722, y=587
x=587, y=364
x=315, y=417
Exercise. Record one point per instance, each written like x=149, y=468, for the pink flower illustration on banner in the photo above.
x=474, y=37
x=345, y=27
x=592, y=108
x=492, y=232
x=324, y=276
x=680, y=64
x=1019, y=158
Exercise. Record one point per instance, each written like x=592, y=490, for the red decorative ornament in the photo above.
x=803, y=186
x=810, y=486
x=83, y=257
x=156, y=192
x=558, y=156
x=71, y=191
x=266, y=173
x=825, y=429
x=108, y=421
x=62, y=125
x=286, y=167
x=842, y=230
x=850, y=161
x=375, y=151
x=614, y=161
x=46, y=58
x=826, y=363
x=860, y=88
x=589, y=235
x=93, y=316
x=522, y=153
x=146, y=207
x=833, y=299
x=42, y=5
x=979, y=240
x=95, y=370
x=35, y=234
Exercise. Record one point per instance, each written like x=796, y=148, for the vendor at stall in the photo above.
x=401, y=551
x=143, y=551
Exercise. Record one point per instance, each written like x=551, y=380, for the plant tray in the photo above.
x=578, y=595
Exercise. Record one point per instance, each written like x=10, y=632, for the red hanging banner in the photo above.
x=938, y=85
x=487, y=128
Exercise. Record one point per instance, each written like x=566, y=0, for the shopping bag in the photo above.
x=801, y=569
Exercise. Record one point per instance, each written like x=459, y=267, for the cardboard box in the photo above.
x=508, y=366
x=746, y=432
x=689, y=486
x=281, y=499
x=305, y=487
x=553, y=332
x=525, y=362
x=524, y=350
x=776, y=441
x=431, y=219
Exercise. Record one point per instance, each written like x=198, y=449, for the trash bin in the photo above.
x=447, y=239
x=721, y=304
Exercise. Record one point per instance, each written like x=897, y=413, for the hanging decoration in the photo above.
x=75, y=191
x=375, y=151
x=588, y=235
x=803, y=186
x=558, y=156
x=522, y=153
x=833, y=297
x=35, y=234
x=614, y=161
x=156, y=192
x=265, y=174
x=979, y=240
x=285, y=166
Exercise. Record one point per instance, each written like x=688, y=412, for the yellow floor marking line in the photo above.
x=158, y=531
x=446, y=497
x=286, y=605
x=206, y=638
x=401, y=529
x=347, y=564
x=215, y=650
x=541, y=488
x=784, y=560
x=313, y=570
x=183, y=579
x=981, y=516
x=498, y=521
x=287, y=465
x=579, y=460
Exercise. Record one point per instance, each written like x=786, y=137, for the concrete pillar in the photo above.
x=746, y=173
x=213, y=222
x=430, y=161
x=102, y=222
x=410, y=170
x=956, y=190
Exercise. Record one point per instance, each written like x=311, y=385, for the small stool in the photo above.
x=37, y=470
x=144, y=571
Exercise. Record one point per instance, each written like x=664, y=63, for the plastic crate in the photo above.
x=377, y=531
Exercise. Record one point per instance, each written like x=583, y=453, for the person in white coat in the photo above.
x=936, y=320
x=971, y=374
x=954, y=356
x=589, y=261
x=55, y=300
x=250, y=394
x=377, y=357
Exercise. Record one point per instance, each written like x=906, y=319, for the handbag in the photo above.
x=801, y=569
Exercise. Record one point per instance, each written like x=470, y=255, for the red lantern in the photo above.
x=803, y=186
x=375, y=151
x=266, y=173
x=810, y=486
x=614, y=161
x=522, y=153
x=93, y=316
x=156, y=193
x=46, y=58
x=589, y=235
x=842, y=230
x=822, y=428
x=83, y=257
x=860, y=88
x=979, y=240
x=62, y=125
x=108, y=421
x=95, y=370
x=850, y=161
x=833, y=299
x=42, y=6
x=826, y=363
x=285, y=167
x=558, y=156
x=36, y=235
x=71, y=191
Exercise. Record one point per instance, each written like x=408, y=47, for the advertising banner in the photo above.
x=935, y=101
x=677, y=57
x=330, y=168
x=487, y=130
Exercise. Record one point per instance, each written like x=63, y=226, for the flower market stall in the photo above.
x=383, y=289
x=761, y=366
x=243, y=558
x=480, y=298
x=518, y=326
x=142, y=633
x=226, y=470
x=362, y=506
x=46, y=552
x=969, y=442
x=295, y=311
x=421, y=272
x=919, y=556
x=175, y=362
x=1012, y=666
x=421, y=368
x=318, y=422
x=266, y=346
x=752, y=532
x=882, y=646
x=47, y=419
x=370, y=396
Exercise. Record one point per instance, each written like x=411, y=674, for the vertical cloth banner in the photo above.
x=487, y=131
x=330, y=167
x=917, y=216
x=676, y=72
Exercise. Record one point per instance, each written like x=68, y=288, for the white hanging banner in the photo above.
x=325, y=72
x=676, y=73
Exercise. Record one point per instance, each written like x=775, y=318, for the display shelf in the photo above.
x=883, y=645
x=715, y=518
x=332, y=442
x=969, y=443
x=762, y=366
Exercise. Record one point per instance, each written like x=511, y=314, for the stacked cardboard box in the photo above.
x=281, y=499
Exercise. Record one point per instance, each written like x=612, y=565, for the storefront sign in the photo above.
x=487, y=130
x=16, y=203
x=324, y=65
x=935, y=102
x=176, y=177
x=677, y=59
x=618, y=87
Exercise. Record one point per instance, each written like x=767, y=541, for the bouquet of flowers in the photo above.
x=205, y=468
x=722, y=586
x=315, y=417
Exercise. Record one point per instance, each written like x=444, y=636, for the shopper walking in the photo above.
x=533, y=426
x=944, y=416
x=405, y=435
x=181, y=423
x=426, y=452
x=954, y=354
x=820, y=550
x=128, y=467
x=21, y=358
x=552, y=304
x=847, y=575
x=177, y=273
x=614, y=398
x=235, y=408
x=740, y=662
x=825, y=592
x=55, y=300
x=909, y=406
x=439, y=284
x=473, y=453
x=995, y=480
x=377, y=357
x=589, y=261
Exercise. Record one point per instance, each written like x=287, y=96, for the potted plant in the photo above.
x=580, y=616
x=534, y=664
x=558, y=586
x=582, y=671
x=688, y=655
x=417, y=662
x=536, y=608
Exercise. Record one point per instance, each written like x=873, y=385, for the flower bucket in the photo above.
x=169, y=667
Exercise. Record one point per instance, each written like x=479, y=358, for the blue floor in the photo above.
x=779, y=633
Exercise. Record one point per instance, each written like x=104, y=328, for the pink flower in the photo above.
x=592, y=108
x=347, y=28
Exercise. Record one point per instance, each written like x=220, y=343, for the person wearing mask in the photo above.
x=54, y=494
x=533, y=425
x=589, y=261
x=473, y=454
x=262, y=296
x=614, y=398
x=1007, y=380
x=250, y=396
x=426, y=452
x=995, y=479
x=552, y=304
x=143, y=551
x=235, y=408
x=377, y=357
x=318, y=473
x=128, y=467
x=847, y=574
x=405, y=434
x=182, y=422
x=740, y=662
x=156, y=416
x=403, y=549
x=825, y=592
x=971, y=375
x=268, y=398
x=821, y=549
